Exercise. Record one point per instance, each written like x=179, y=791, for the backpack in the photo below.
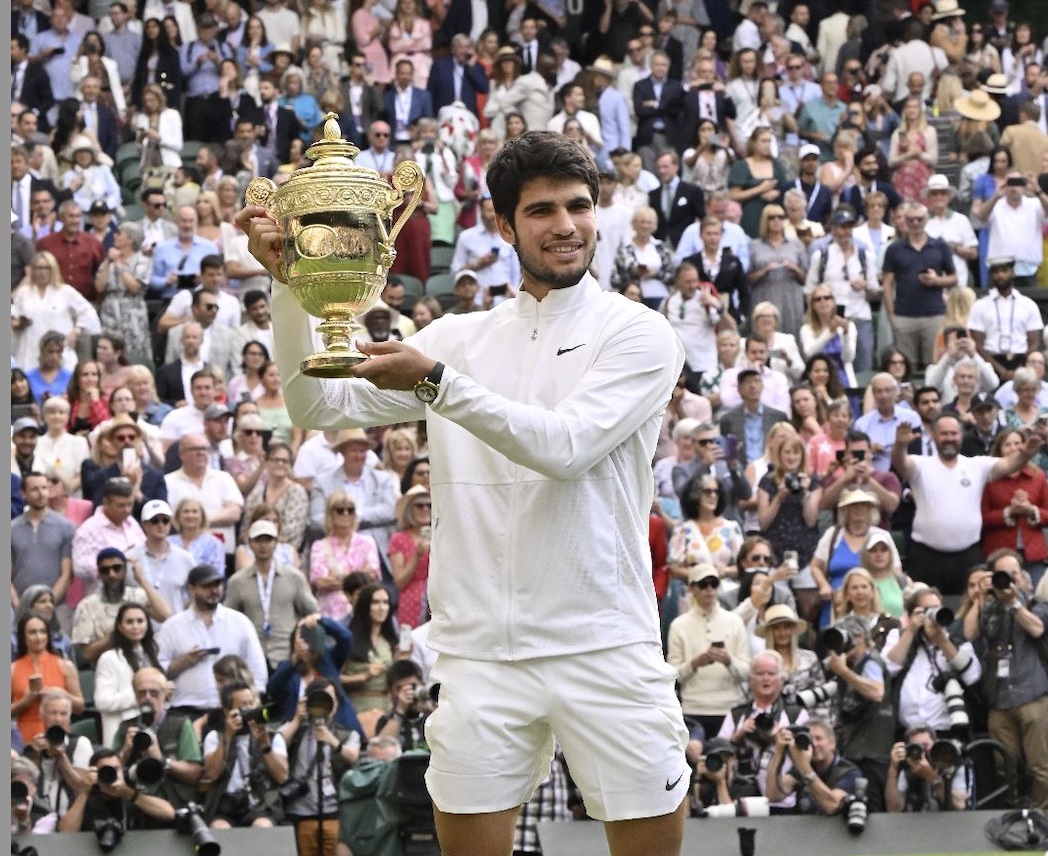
x=825, y=251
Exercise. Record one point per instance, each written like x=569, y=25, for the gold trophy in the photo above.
x=336, y=221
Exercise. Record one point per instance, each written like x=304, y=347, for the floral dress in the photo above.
x=788, y=531
x=411, y=602
x=911, y=176
x=330, y=555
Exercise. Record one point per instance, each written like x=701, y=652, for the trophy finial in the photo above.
x=332, y=131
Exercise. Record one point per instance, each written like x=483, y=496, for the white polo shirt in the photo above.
x=949, y=501
x=954, y=228
x=1016, y=232
x=1005, y=321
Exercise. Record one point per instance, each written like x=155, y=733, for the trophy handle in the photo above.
x=407, y=176
x=260, y=191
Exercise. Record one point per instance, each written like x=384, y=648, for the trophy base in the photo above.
x=339, y=364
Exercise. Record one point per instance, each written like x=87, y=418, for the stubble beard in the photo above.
x=546, y=275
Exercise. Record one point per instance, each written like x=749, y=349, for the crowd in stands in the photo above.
x=840, y=208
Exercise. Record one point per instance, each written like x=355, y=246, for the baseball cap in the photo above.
x=261, y=528
x=464, y=273
x=155, y=508
x=203, y=575
x=24, y=424
x=98, y=207
x=216, y=411
x=844, y=216
x=983, y=399
x=702, y=571
x=809, y=149
x=1000, y=261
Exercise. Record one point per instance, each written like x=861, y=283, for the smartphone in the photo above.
x=212, y=650
x=128, y=458
x=962, y=334
x=36, y=683
x=497, y=290
x=718, y=644
x=58, y=51
x=789, y=558
x=859, y=454
x=187, y=280
x=404, y=642
x=730, y=445
x=495, y=249
x=840, y=311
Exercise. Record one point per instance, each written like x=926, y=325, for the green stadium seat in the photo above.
x=133, y=211
x=440, y=283
x=190, y=149
x=412, y=284
x=87, y=728
x=440, y=259
x=87, y=686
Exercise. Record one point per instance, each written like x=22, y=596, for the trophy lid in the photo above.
x=332, y=151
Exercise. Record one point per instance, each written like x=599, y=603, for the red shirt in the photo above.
x=78, y=260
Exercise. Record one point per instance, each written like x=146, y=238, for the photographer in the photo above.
x=29, y=813
x=751, y=727
x=244, y=765
x=172, y=739
x=106, y=796
x=318, y=748
x=928, y=669
x=820, y=777
x=407, y=720
x=61, y=758
x=915, y=783
x=715, y=781
x=1015, y=677
x=866, y=723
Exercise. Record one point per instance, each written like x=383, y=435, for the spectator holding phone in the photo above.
x=827, y=331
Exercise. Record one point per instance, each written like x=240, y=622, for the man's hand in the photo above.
x=263, y=239
x=393, y=365
x=904, y=434
x=837, y=663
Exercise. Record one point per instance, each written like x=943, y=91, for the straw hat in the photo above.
x=507, y=52
x=947, y=9
x=352, y=435
x=413, y=495
x=857, y=497
x=978, y=106
x=781, y=613
x=602, y=65
x=996, y=84
x=121, y=420
x=938, y=182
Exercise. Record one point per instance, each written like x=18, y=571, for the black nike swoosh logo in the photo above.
x=670, y=787
x=566, y=350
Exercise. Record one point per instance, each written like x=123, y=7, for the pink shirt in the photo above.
x=329, y=556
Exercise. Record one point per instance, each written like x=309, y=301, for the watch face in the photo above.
x=426, y=391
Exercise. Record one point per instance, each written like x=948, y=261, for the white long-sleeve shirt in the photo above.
x=540, y=439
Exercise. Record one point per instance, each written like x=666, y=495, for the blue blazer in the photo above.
x=421, y=106
x=285, y=685
x=442, y=84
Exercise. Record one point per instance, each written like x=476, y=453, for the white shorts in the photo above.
x=614, y=712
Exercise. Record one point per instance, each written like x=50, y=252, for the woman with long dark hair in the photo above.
x=133, y=646
x=158, y=63
x=373, y=650
x=36, y=668
x=88, y=407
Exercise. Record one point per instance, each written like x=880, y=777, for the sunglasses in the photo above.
x=106, y=570
x=285, y=461
x=761, y=558
x=795, y=67
x=423, y=505
x=776, y=216
x=821, y=298
x=379, y=135
x=252, y=432
x=711, y=441
x=344, y=509
x=709, y=583
x=160, y=521
x=126, y=438
x=709, y=491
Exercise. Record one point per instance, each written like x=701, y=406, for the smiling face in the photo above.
x=133, y=625
x=555, y=232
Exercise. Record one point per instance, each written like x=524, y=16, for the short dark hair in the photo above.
x=150, y=191
x=117, y=486
x=202, y=373
x=253, y=296
x=212, y=261
x=532, y=155
x=854, y=436
x=21, y=40
x=227, y=692
x=924, y=390
x=400, y=669
x=121, y=6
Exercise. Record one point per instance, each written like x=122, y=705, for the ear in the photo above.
x=506, y=230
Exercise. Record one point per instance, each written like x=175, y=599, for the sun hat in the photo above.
x=978, y=106
x=781, y=613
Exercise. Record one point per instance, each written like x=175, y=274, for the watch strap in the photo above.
x=435, y=374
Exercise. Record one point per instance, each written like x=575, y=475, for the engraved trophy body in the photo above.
x=335, y=219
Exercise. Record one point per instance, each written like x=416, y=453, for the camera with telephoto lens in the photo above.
x=260, y=714
x=109, y=832
x=764, y=723
x=837, y=640
x=107, y=775
x=801, y=736
x=55, y=735
x=742, y=807
x=818, y=695
x=953, y=697
x=147, y=715
x=714, y=763
x=857, y=811
x=941, y=615
x=146, y=773
x=792, y=482
x=914, y=751
x=141, y=742
x=1001, y=580
x=190, y=821
x=945, y=754
x=318, y=707
x=427, y=694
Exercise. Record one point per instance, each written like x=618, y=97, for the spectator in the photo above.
x=858, y=597
x=979, y=436
x=176, y=261
x=1016, y=682
x=820, y=117
x=110, y=526
x=158, y=63
x=47, y=302
x=484, y=251
x=246, y=765
x=825, y=446
x=216, y=491
x=121, y=282
x=39, y=599
x=406, y=719
x=410, y=38
x=96, y=614
x=41, y=544
x=801, y=668
x=703, y=245
x=1004, y=348
x=952, y=227
x=712, y=458
x=854, y=471
x=97, y=802
x=830, y=333
x=132, y=646
x=1027, y=412
x=62, y=766
x=947, y=490
x=1015, y=227
x=409, y=555
x=47, y=377
x=751, y=419
x=754, y=183
x=219, y=345
x=774, y=387
x=36, y=668
x=374, y=492
x=372, y=652
x=961, y=355
x=185, y=643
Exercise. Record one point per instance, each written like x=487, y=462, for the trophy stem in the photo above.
x=339, y=355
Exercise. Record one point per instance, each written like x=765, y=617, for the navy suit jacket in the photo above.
x=670, y=111
x=108, y=131
x=459, y=19
x=42, y=21
x=36, y=92
x=442, y=84
x=854, y=198
x=421, y=106
x=688, y=206
x=94, y=479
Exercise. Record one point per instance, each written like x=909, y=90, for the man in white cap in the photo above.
x=1016, y=213
x=483, y=251
x=274, y=595
x=166, y=566
x=955, y=229
x=1005, y=325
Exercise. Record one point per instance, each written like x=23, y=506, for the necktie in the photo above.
x=16, y=202
x=667, y=199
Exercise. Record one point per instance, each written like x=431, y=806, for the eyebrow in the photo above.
x=580, y=201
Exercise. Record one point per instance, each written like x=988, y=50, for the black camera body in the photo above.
x=107, y=775
x=55, y=735
x=837, y=641
x=914, y=751
x=1001, y=580
x=109, y=831
x=792, y=482
x=801, y=737
x=190, y=821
